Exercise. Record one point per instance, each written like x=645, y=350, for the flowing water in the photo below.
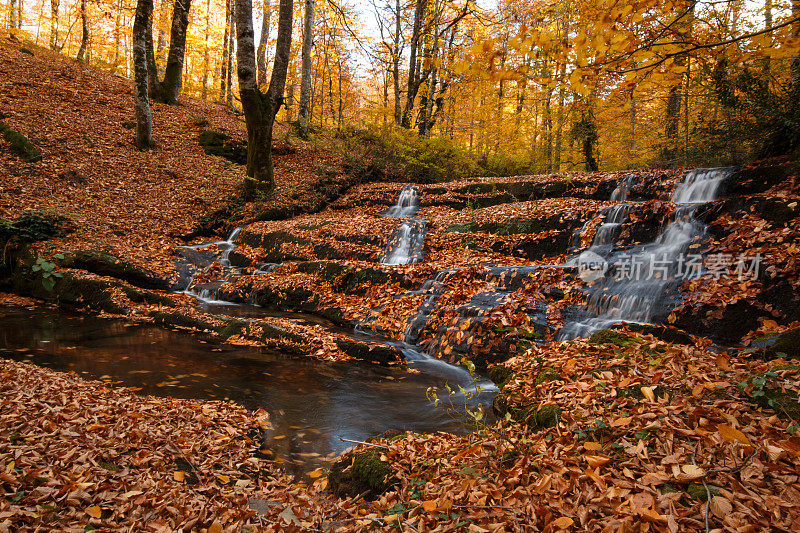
x=311, y=403
x=641, y=282
x=407, y=203
x=407, y=243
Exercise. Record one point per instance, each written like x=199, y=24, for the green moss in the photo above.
x=610, y=336
x=697, y=491
x=548, y=374
x=787, y=343
x=106, y=264
x=179, y=320
x=219, y=144
x=20, y=145
x=501, y=375
x=33, y=226
x=147, y=297
x=360, y=473
x=231, y=328
x=512, y=227
x=545, y=417
x=466, y=227
x=271, y=332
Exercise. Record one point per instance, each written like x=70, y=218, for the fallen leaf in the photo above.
x=94, y=511
x=731, y=434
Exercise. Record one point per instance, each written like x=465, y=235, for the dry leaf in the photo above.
x=731, y=434
x=94, y=511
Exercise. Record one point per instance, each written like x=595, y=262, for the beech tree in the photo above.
x=167, y=91
x=83, y=50
x=305, y=83
x=141, y=36
x=260, y=108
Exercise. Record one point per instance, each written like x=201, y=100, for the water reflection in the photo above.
x=312, y=404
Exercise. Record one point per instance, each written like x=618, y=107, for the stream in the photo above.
x=312, y=404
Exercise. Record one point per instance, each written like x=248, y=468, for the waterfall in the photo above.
x=620, y=194
x=406, y=244
x=407, y=203
x=640, y=289
x=206, y=293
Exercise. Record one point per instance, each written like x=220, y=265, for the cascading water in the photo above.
x=406, y=244
x=407, y=203
x=206, y=292
x=644, y=280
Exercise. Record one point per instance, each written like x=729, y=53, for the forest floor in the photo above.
x=685, y=426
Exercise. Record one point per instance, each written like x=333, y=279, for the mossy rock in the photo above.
x=512, y=227
x=181, y=321
x=545, y=417
x=501, y=375
x=105, y=264
x=361, y=473
x=69, y=292
x=787, y=343
x=271, y=332
x=20, y=145
x=147, y=297
x=34, y=226
x=610, y=336
x=231, y=328
x=548, y=374
x=272, y=244
x=372, y=353
x=219, y=144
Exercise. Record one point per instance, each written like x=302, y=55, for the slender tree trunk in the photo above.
x=261, y=52
x=223, y=78
x=12, y=15
x=144, y=120
x=414, y=63
x=171, y=86
x=54, y=24
x=260, y=109
x=767, y=24
x=206, y=58
x=231, y=51
x=560, y=120
x=118, y=34
x=395, y=64
x=633, y=127
x=82, y=54
x=305, y=69
x=161, y=46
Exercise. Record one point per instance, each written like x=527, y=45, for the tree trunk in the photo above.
x=414, y=63
x=223, y=78
x=54, y=24
x=144, y=120
x=261, y=52
x=305, y=69
x=260, y=109
x=161, y=46
x=171, y=86
x=231, y=52
x=12, y=15
x=82, y=55
x=395, y=64
x=206, y=58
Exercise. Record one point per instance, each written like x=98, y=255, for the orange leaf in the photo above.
x=596, y=460
x=179, y=475
x=731, y=434
x=562, y=522
x=94, y=511
x=648, y=393
x=429, y=505
x=620, y=422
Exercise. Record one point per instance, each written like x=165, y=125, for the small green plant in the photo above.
x=48, y=272
x=458, y=400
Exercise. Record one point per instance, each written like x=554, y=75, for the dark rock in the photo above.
x=664, y=333
x=219, y=144
x=609, y=336
x=106, y=264
x=373, y=353
x=181, y=321
x=755, y=179
x=147, y=297
x=500, y=375
x=787, y=343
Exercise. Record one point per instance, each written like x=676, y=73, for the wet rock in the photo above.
x=147, y=297
x=372, y=353
x=664, y=333
x=105, y=264
x=361, y=473
x=272, y=244
x=349, y=279
x=787, y=343
x=543, y=417
x=181, y=321
x=69, y=292
x=755, y=179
